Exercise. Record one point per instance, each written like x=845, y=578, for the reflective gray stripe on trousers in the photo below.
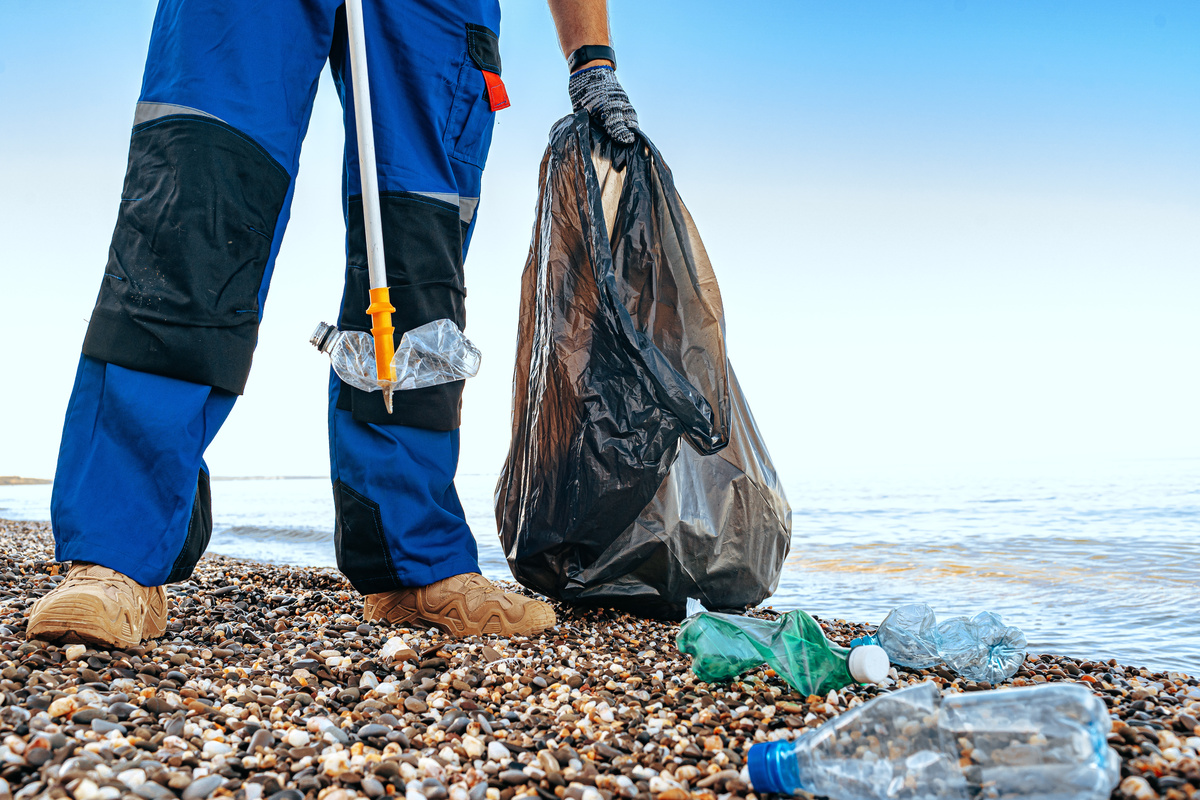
x=151, y=111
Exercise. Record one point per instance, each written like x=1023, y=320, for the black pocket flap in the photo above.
x=484, y=47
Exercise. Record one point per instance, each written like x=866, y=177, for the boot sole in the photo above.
x=492, y=627
x=74, y=632
x=69, y=625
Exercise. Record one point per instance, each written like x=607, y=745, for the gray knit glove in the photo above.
x=597, y=90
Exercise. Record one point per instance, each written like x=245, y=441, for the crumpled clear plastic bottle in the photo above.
x=723, y=646
x=434, y=353
x=981, y=648
x=1043, y=743
x=907, y=634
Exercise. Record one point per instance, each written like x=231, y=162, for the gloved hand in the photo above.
x=597, y=90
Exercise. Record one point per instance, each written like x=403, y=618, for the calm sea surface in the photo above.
x=1091, y=562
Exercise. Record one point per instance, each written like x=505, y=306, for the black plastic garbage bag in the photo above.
x=636, y=477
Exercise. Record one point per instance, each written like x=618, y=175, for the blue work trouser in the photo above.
x=225, y=103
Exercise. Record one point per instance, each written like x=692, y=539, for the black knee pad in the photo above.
x=422, y=243
x=193, y=237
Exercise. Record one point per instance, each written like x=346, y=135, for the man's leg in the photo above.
x=402, y=537
x=131, y=489
x=225, y=103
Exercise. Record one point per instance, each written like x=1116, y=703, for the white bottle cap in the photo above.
x=869, y=663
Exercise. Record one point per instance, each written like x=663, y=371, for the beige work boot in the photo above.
x=463, y=605
x=99, y=606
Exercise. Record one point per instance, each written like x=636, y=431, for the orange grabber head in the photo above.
x=381, y=329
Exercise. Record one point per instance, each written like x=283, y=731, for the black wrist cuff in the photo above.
x=590, y=52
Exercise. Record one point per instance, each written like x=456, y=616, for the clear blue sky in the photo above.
x=951, y=231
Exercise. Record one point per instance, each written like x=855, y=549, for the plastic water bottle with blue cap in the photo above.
x=723, y=646
x=1044, y=743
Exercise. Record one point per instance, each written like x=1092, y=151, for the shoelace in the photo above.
x=482, y=587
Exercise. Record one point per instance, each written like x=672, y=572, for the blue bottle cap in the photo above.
x=764, y=761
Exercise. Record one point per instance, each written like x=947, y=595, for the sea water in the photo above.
x=1093, y=562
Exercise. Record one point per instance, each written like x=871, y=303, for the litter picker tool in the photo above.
x=429, y=354
x=381, y=307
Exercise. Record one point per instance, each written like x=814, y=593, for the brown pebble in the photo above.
x=514, y=777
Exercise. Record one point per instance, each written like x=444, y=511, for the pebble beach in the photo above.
x=268, y=684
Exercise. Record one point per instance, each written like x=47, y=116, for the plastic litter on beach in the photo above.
x=1043, y=743
x=981, y=648
x=723, y=646
x=434, y=353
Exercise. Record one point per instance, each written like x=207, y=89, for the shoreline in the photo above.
x=268, y=681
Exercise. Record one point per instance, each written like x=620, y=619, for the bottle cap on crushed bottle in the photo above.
x=869, y=663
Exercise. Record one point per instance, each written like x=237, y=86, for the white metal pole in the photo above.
x=366, y=143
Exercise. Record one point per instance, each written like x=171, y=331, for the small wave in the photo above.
x=259, y=533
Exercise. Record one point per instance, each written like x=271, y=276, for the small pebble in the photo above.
x=296, y=738
x=202, y=788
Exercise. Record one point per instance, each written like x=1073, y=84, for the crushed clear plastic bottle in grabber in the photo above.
x=433, y=353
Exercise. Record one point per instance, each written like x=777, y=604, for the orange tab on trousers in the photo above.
x=497, y=94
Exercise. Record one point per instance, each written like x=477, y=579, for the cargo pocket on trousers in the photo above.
x=469, y=127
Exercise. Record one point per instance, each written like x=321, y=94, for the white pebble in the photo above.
x=391, y=647
x=659, y=784
x=498, y=752
x=472, y=746
x=319, y=724
x=74, y=652
x=459, y=792
x=431, y=769
x=214, y=748
x=368, y=680
x=132, y=778
x=86, y=790
x=337, y=762
x=1137, y=787
x=296, y=738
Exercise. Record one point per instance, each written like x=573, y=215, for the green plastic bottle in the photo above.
x=723, y=646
